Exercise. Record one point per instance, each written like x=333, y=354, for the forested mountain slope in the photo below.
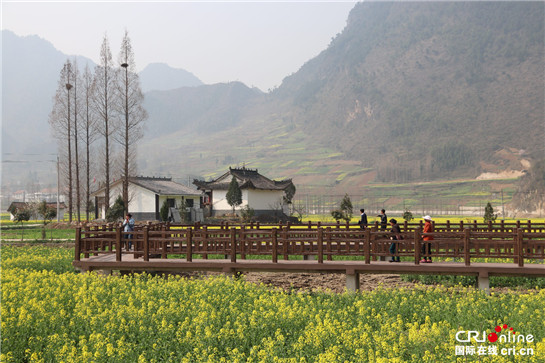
x=426, y=89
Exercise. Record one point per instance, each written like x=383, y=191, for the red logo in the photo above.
x=493, y=337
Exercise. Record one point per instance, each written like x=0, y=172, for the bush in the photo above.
x=164, y=211
x=116, y=211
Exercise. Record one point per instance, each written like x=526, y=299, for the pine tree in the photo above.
x=164, y=211
x=115, y=212
x=489, y=213
x=234, y=195
x=346, y=208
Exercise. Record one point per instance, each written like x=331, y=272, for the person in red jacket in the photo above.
x=426, y=246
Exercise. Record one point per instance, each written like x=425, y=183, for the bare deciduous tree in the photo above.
x=89, y=124
x=75, y=82
x=104, y=105
x=134, y=114
x=60, y=121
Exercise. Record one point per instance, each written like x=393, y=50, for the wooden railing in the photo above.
x=321, y=243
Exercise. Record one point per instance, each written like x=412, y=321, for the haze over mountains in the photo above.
x=408, y=91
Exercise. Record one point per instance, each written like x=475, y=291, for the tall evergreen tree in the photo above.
x=234, y=194
x=346, y=208
x=489, y=213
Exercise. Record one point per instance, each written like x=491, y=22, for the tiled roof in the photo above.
x=246, y=178
x=162, y=186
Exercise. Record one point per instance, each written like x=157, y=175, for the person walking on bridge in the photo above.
x=128, y=226
x=426, y=246
x=383, y=220
x=363, y=219
x=396, y=236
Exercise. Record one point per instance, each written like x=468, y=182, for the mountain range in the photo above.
x=408, y=91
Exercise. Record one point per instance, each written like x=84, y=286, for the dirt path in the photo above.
x=309, y=282
x=322, y=281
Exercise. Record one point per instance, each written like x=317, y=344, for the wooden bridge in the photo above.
x=517, y=249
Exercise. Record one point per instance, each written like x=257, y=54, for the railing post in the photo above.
x=118, y=243
x=520, y=237
x=163, y=242
x=285, y=243
x=328, y=248
x=189, y=252
x=417, y=245
x=77, y=252
x=367, y=246
x=320, y=245
x=274, y=245
x=205, y=240
x=467, y=235
x=146, y=243
x=243, y=242
x=233, y=245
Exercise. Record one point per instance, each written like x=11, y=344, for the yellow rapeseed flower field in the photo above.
x=49, y=313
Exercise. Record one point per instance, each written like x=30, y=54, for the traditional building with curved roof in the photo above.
x=263, y=195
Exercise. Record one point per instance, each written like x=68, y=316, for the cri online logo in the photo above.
x=506, y=335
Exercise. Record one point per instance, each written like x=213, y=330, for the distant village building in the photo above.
x=263, y=195
x=147, y=195
x=14, y=207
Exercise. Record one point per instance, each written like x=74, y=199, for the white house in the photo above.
x=147, y=195
x=263, y=195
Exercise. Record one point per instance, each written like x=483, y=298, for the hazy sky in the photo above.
x=258, y=43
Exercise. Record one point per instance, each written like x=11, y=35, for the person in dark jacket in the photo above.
x=363, y=219
x=396, y=236
x=383, y=220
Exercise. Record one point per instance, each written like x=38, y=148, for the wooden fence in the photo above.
x=517, y=242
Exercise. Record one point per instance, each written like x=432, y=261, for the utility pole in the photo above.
x=502, y=208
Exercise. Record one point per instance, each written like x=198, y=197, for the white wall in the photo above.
x=264, y=199
x=178, y=200
x=256, y=199
x=219, y=198
x=142, y=200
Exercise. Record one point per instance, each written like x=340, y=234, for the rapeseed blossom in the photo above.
x=51, y=314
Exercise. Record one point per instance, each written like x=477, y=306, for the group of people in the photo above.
x=395, y=234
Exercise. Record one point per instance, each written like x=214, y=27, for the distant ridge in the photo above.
x=162, y=77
